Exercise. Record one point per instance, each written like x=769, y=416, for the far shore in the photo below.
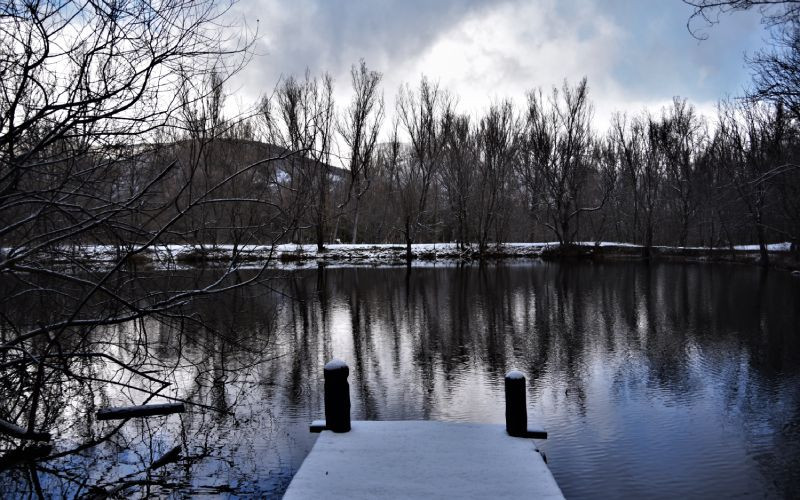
x=293, y=255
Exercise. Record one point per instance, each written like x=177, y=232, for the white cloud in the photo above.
x=518, y=47
x=636, y=57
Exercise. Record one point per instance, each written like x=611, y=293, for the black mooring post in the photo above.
x=337, y=396
x=516, y=409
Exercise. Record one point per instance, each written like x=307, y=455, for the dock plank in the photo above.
x=423, y=459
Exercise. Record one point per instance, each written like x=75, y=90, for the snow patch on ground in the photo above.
x=772, y=247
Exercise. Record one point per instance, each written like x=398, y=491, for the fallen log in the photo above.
x=21, y=455
x=14, y=430
x=123, y=412
x=171, y=456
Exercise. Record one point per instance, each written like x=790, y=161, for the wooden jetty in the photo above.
x=422, y=459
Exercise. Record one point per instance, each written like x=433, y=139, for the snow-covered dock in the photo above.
x=413, y=459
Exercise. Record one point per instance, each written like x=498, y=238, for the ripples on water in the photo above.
x=653, y=381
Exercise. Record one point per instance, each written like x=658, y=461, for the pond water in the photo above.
x=660, y=381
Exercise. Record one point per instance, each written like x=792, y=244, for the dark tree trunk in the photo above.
x=684, y=229
x=648, y=240
x=408, y=241
x=762, y=246
x=355, y=221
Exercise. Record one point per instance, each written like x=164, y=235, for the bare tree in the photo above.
x=421, y=115
x=457, y=172
x=682, y=141
x=788, y=188
x=359, y=129
x=324, y=113
x=556, y=164
x=498, y=139
x=776, y=71
x=88, y=93
x=708, y=12
x=201, y=124
x=299, y=119
x=752, y=142
x=391, y=165
x=642, y=163
x=629, y=156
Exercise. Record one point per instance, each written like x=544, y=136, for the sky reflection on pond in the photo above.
x=653, y=381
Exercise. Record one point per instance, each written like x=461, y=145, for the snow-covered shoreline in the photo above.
x=293, y=255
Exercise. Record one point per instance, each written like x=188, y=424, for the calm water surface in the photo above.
x=658, y=381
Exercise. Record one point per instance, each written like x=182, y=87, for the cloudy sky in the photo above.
x=636, y=53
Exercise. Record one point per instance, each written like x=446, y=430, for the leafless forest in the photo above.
x=114, y=130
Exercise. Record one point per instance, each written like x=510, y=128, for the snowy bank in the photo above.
x=292, y=255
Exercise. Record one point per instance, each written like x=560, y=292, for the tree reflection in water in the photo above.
x=661, y=380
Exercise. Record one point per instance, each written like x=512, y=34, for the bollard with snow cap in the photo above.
x=337, y=396
x=516, y=409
